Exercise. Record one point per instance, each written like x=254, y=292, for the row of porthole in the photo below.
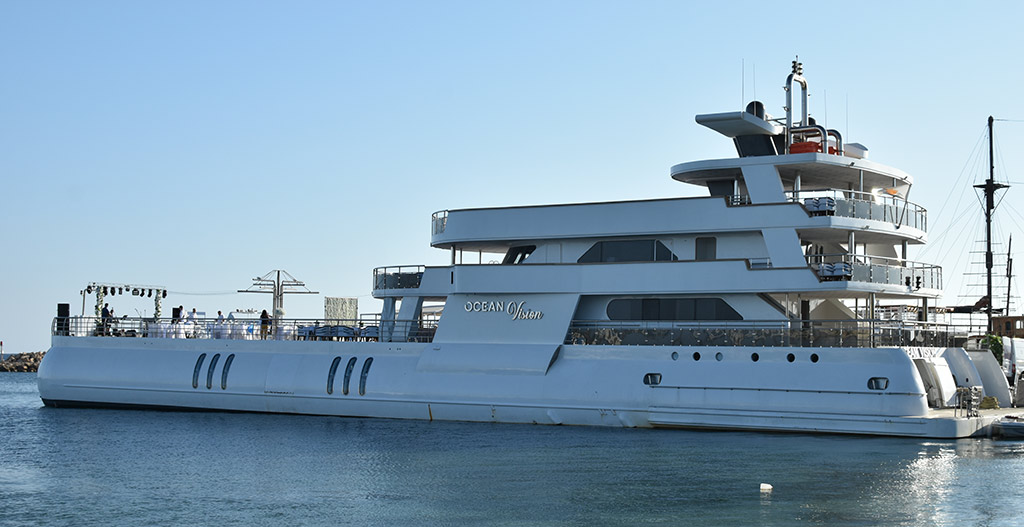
x=348, y=375
x=210, y=369
x=874, y=383
x=753, y=356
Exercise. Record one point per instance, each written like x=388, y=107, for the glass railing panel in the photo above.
x=862, y=205
x=875, y=269
x=846, y=208
x=439, y=220
x=400, y=277
x=819, y=334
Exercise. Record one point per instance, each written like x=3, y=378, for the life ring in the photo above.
x=807, y=147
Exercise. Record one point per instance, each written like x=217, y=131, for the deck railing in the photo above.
x=248, y=329
x=876, y=269
x=438, y=221
x=752, y=333
x=397, y=277
x=766, y=333
x=861, y=205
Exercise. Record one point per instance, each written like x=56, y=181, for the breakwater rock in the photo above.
x=22, y=361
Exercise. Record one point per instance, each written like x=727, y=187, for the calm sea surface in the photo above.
x=113, y=467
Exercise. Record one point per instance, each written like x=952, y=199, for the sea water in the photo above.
x=130, y=468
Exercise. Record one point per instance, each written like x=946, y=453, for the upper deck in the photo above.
x=813, y=170
x=789, y=175
x=496, y=229
x=798, y=211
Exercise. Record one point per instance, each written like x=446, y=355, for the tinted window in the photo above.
x=685, y=309
x=331, y=373
x=705, y=309
x=209, y=371
x=348, y=375
x=627, y=251
x=625, y=310
x=706, y=248
x=362, y=376
x=516, y=255
x=593, y=255
x=679, y=309
x=224, y=372
x=195, y=372
x=651, y=309
x=661, y=253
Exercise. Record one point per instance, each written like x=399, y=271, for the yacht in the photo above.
x=753, y=307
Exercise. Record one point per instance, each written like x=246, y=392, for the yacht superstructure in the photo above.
x=749, y=308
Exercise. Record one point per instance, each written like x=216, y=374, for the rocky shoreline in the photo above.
x=22, y=361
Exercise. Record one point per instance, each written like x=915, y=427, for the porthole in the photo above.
x=652, y=379
x=195, y=372
x=209, y=371
x=362, y=376
x=675, y=355
x=878, y=383
x=348, y=375
x=331, y=373
x=754, y=357
x=814, y=357
x=790, y=357
x=718, y=356
x=696, y=355
x=224, y=372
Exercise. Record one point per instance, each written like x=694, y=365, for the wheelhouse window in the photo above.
x=516, y=255
x=627, y=251
x=676, y=309
x=706, y=249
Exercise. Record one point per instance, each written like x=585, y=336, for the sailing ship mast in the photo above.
x=990, y=187
x=1009, y=273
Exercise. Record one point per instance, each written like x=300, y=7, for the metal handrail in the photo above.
x=868, y=260
x=866, y=205
x=766, y=333
x=876, y=269
x=438, y=221
x=365, y=329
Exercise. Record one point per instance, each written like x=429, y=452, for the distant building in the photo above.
x=337, y=308
x=1012, y=327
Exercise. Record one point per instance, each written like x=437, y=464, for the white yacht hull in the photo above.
x=571, y=385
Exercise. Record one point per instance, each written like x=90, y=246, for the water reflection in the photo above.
x=130, y=468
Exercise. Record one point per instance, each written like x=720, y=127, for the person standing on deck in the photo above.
x=105, y=317
x=264, y=324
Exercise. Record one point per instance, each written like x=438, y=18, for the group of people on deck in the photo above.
x=189, y=317
x=265, y=319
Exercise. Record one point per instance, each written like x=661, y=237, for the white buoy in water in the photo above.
x=765, y=487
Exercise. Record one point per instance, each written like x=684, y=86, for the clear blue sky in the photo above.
x=199, y=144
